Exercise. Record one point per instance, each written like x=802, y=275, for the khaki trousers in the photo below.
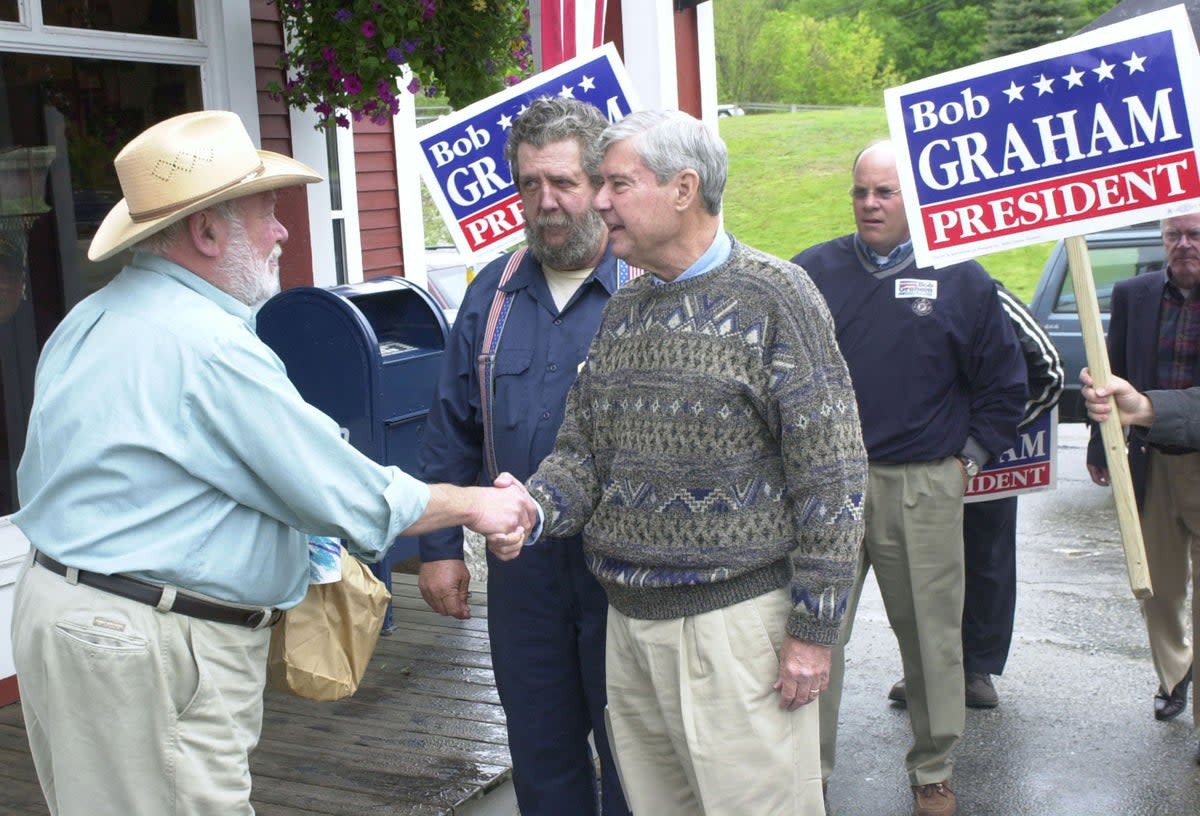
x=1171, y=533
x=914, y=542
x=131, y=711
x=694, y=722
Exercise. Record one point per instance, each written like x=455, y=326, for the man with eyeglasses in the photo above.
x=1154, y=343
x=940, y=381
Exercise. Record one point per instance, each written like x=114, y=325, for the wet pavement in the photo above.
x=1074, y=734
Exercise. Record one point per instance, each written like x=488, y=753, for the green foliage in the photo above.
x=1091, y=9
x=356, y=54
x=922, y=38
x=789, y=174
x=737, y=25
x=896, y=41
x=768, y=53
x=1018, y=25
x=839, y=61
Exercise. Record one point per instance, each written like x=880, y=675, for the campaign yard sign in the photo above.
x=1092, y=132
x=1025, y=467
x=463, y=153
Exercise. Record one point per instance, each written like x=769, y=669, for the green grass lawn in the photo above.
x=789, y=176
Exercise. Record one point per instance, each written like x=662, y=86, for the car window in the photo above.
x=1109, y=265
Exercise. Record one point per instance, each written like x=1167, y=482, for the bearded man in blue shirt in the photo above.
x=546, y=613
x=169, y=469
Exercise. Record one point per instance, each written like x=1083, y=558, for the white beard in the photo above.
x=249, y=278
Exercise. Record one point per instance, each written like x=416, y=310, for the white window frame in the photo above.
x=308, y=146
x=223, y=48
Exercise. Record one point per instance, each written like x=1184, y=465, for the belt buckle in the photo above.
x=263, y=618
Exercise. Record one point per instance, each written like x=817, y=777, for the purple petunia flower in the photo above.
x=342, y=121
x=430, y=9
x=368, y=29
x=396, y=55
x=414, y=85
x=352, y=84
x=409, y=46
x=342, y=15
x=328, y=53
x=324, y=108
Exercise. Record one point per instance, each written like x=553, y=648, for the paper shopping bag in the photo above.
x=321, y=647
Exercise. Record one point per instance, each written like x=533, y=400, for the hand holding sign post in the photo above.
x=1094, y=132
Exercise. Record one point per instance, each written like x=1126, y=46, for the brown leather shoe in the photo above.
x=980, y=691
x=934, y=799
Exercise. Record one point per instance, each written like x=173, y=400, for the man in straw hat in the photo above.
x=169, y=465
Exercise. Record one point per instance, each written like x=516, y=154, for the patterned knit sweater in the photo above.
x=711, y=449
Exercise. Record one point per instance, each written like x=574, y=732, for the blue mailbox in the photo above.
x=368, y=355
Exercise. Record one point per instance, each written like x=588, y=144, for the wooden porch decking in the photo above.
x=423, y=736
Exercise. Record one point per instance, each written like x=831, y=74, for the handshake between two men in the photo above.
x=505, y=513
x=506, y=545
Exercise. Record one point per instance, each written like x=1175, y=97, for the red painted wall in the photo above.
x=378, y=199
x=292, y=204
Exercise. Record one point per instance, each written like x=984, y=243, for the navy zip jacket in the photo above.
x=932, y=355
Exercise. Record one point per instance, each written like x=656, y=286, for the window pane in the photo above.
x=62, y=121
x=1109, y=265
x=85, y=110
x=339, y=250
x=335, y=170
x=167, y=18
x=8, y=11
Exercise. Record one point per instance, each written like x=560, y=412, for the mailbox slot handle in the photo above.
x=420, y=413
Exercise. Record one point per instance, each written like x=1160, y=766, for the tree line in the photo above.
x=845, y=52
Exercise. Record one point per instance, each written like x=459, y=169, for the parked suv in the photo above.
x=1115, y=255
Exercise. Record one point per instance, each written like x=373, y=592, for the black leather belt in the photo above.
x=150, y=594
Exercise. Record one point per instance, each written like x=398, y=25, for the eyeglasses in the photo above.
x=882, y=193
x=1172, y=236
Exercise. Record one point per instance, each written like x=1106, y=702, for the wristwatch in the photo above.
x=970, y=466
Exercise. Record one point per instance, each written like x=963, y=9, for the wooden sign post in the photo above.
x=1113, y=435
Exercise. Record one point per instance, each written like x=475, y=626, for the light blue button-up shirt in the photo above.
x=167, y=442
x=717, y=253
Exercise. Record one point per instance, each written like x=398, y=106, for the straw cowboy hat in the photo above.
x=182, y=165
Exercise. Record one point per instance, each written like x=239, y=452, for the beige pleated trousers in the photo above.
x=695, y=724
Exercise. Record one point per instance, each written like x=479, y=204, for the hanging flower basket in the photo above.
x=359, y=55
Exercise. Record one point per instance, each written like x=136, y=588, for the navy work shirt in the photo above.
x=539, y=355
